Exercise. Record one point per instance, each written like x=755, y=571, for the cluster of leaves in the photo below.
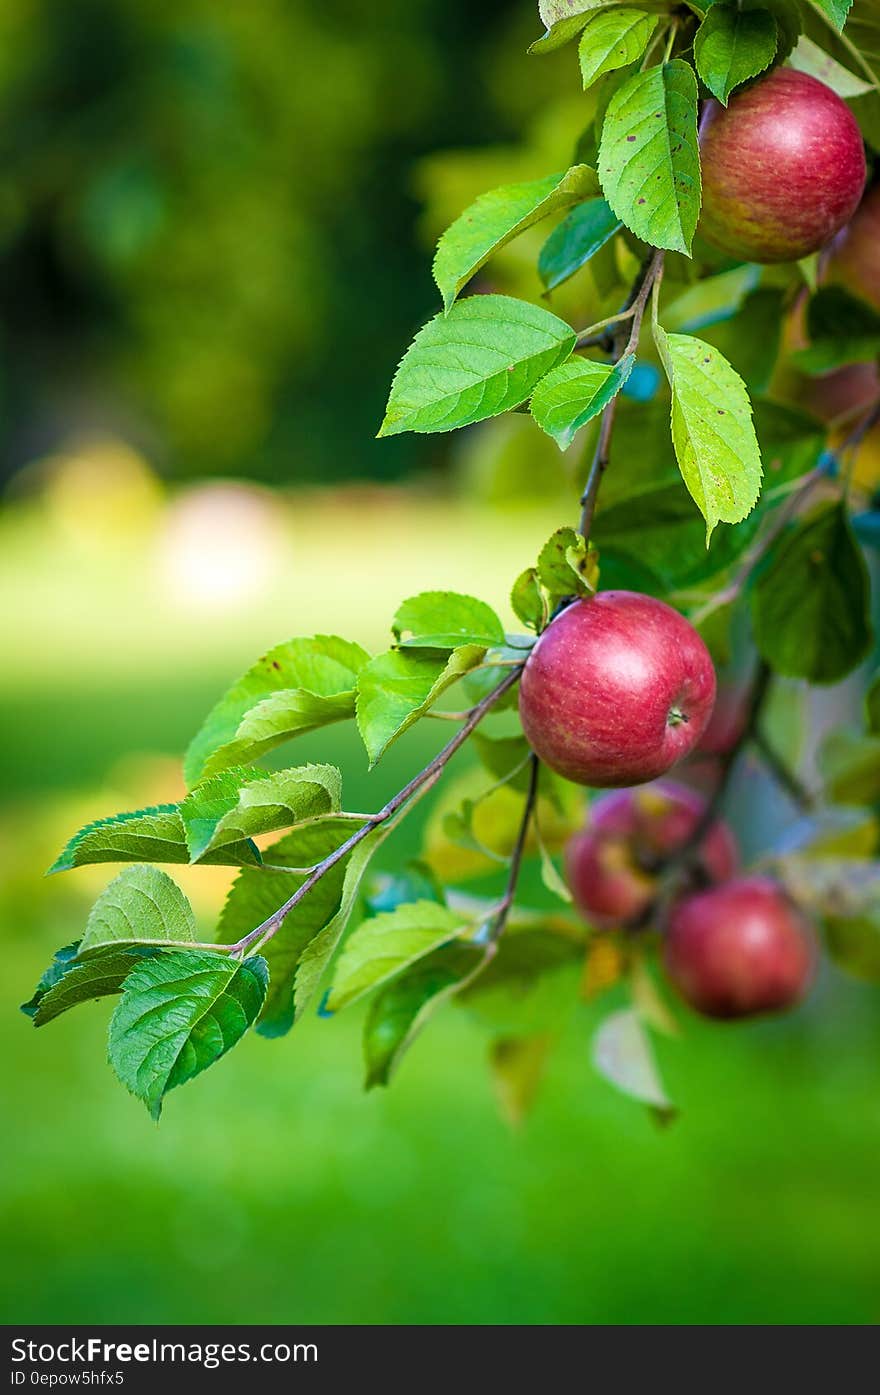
x=788, y=568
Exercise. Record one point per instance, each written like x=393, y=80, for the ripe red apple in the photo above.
x=855, y=259
x=616, y=690
x=739, y=949
x=612, y=866
x=783, y=168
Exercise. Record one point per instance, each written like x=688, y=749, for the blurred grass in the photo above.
x=275, y=1190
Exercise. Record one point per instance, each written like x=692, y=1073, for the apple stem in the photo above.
x=650, y=273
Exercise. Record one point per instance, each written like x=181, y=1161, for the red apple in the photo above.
x=783, y=168
x=855, y=259
x=616, y=690
x=612, y=866
x=739, y=949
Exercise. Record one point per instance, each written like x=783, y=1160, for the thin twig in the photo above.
x=782, y=772
x=651, y=271
x=591, y=333
x=499, y=920
x=424, y=779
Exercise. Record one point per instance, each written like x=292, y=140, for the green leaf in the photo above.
x=712, y=299
x=295, y=688
x=416, y=881
x=649, y=162
x=567, y=566
x=500, y=215
x=179, y=1013
x=810, y=58
x=98, y=976
x=445, y=620
x=563, y=19
x=480, y=682
x=842, y=330
x=733, y=45
x=712, y=430
x=850, y=766
x=61, y=962
x=140, y=906
x=243, y=803
x=531, y=983
x=575, y=392
x=622, y=1054
x=527, y=600
x=403, y=1008
x=504, y=757
x=254, y=896
x=395, y=689
x=659, y=528
x=580, y=235
x=381, y=947
x=810, y=601
x=320, y=950
x=517, y=1065
x=144, y=835
x=835, y=10
x=613, y=39
x=482, y=358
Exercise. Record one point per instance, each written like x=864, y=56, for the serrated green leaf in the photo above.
x=580, y=235
x=395, y=689
x=563, y=19
x=575, y=392
x=527, y=600
x=566, y=566
x=141, y=906
x=530, y=985
x=733, y=45
x=399, y=1012
x=239, y=804
x=622, y=1054
x=649, y=162
x=381, y=947
x=179, y=1013
x=500, y=215
x=850, y=766
x=810, y=602
x=482, y=358
x=835, y=10
x=144, y=835
x=61, y=962
x=254, y=896
x=295, y=688
x=99, y=976
x=613, y=39
x=446, y=620
x=712, y=430
x=811, y=59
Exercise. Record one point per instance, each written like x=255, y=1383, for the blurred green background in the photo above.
x=212, y=251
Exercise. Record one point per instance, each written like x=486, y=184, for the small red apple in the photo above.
x=739, y=949
x=616, y=690
x=783, y=168
x=612, y=865
x=855, y=258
